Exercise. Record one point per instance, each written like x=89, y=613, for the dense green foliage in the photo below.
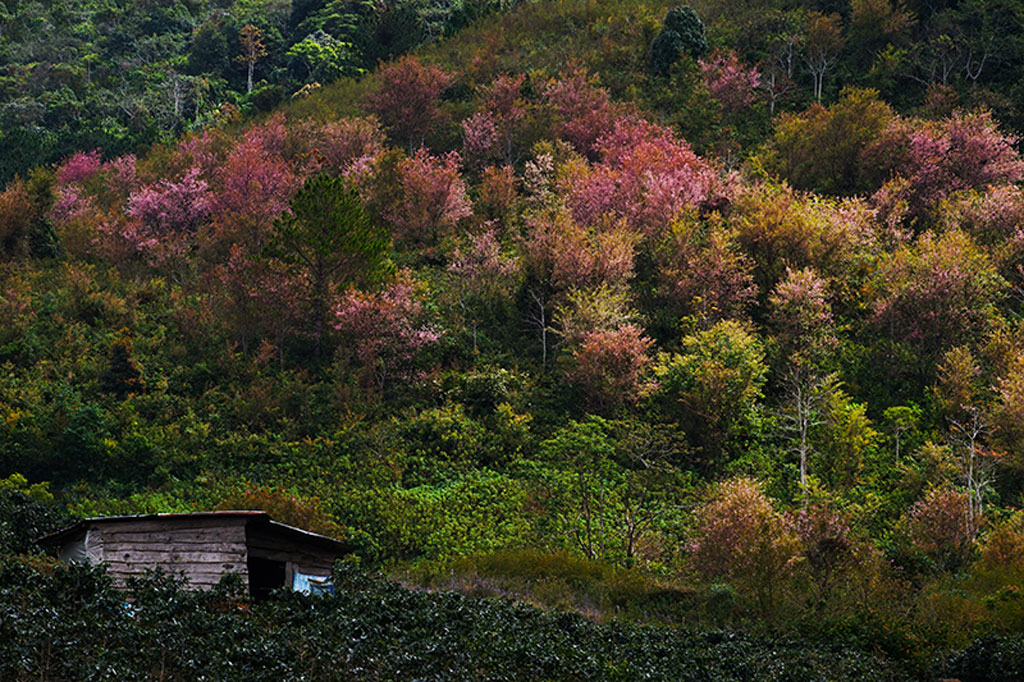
x=75, y=627
x=682, y=33
x=717, y=327
x=120, y=76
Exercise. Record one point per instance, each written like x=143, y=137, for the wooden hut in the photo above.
x=203, y=546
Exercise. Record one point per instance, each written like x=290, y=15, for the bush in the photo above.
x=989, y=658
x=67, y=622
x=27, y=513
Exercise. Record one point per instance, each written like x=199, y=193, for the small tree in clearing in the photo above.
x=741, y=537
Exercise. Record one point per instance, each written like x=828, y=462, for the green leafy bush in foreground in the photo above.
x=67, y=622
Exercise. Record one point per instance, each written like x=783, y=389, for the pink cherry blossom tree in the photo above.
x=432, y=200
x=406, y=98
x=729, y=81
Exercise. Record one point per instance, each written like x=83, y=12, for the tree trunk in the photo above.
x=319, y=309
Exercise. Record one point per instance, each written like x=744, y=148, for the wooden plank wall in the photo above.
x=202, y=549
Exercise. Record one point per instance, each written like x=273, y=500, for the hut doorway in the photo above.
x=265, y=575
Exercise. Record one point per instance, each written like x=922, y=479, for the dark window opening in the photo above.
x=265, y=576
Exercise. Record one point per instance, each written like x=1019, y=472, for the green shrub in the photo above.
x=27, y=513
x=67, y=622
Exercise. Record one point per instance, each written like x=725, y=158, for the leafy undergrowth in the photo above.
x=73, y=625
x=560, y=581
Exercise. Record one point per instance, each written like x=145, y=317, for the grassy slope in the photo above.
x=606, y=37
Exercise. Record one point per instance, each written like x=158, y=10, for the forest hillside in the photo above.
x=697, y=328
